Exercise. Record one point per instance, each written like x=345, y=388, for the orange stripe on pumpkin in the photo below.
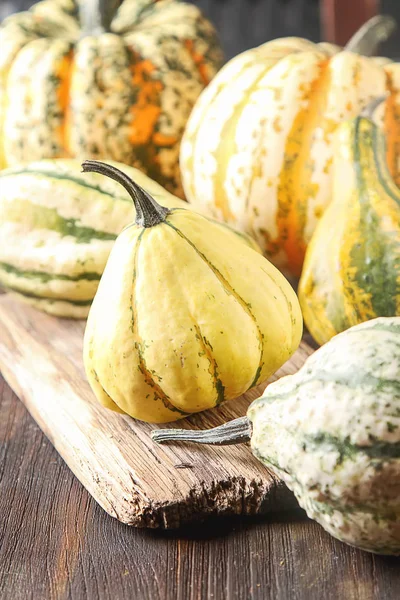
x=63, y=73
x=296, y=186
x=147, y=109
x=392, y=129
x=165, y=141
x=199, y=61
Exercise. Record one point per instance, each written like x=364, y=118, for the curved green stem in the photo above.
x=370, y=35
x=234, y=432
x=148, y=212
x=96, y=15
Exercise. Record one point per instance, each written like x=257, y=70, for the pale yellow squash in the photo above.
x=185, y=316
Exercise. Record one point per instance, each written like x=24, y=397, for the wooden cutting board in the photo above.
x=133, y=479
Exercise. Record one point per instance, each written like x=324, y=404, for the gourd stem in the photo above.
x=148, y=211
x=96, y=15
x=234, y=432
x=369, y=110
x=370, y=35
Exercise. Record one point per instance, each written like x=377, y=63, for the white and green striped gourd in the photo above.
x=332, y=433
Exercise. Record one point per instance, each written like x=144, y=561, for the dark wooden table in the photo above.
x=57, y=543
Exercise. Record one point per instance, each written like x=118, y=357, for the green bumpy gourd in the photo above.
x=331, y=432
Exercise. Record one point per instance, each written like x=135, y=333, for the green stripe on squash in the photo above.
x=50, y=298
x=47, y=277
x=58, y=175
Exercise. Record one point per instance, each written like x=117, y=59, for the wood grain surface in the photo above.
x=56, y=543
x=132, y=478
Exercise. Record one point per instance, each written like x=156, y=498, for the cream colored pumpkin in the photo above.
x=257, y=151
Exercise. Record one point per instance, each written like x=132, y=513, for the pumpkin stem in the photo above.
x=370, y=35
x=96, y=15
x=234, y=432
x=369, y=110
x=148, y=211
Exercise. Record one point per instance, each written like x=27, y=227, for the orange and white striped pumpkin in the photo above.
x=257, y=150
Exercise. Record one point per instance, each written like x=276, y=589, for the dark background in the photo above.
x=243, y=24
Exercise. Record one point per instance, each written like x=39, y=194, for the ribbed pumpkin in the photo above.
x=332, y=433
x=352, y=268
x=57, y=229
x=81, y=78
x=257, y=150
x=185, y=316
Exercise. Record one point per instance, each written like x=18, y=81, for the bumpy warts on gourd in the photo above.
x=103, y=79
x=186, y=315
x=331, y=432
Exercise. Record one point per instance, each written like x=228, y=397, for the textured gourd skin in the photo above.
x=123, y=95
x=57, y=228
x=257, y=149
x=181, y=323
x=352, y=268
x=332, y=433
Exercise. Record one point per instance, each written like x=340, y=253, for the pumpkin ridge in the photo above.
x=192, y=137
x=373, y=326
x=373, y=253
x=213, y=370
x=334, y=504
x=159, y=394
x=227, y=138
x=246, y=237
x=50, y=298
x=6, y=97
x=357, y=300
x=288, y=303
x=293, y=193
x=110, y=401
x=229, y=290
x=37, y=99
x=337, y=505
x=347, y=379
x=382, y=169
x=346, y=449
x=46, y=277
x=64, y=226
x=392, y=128
x=63, y=74
x=68, y=177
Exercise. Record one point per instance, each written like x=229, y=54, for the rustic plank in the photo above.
x=56, y=543
x=133, y=479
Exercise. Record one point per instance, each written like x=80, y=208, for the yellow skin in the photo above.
x=351, y=271
x=180, y=324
